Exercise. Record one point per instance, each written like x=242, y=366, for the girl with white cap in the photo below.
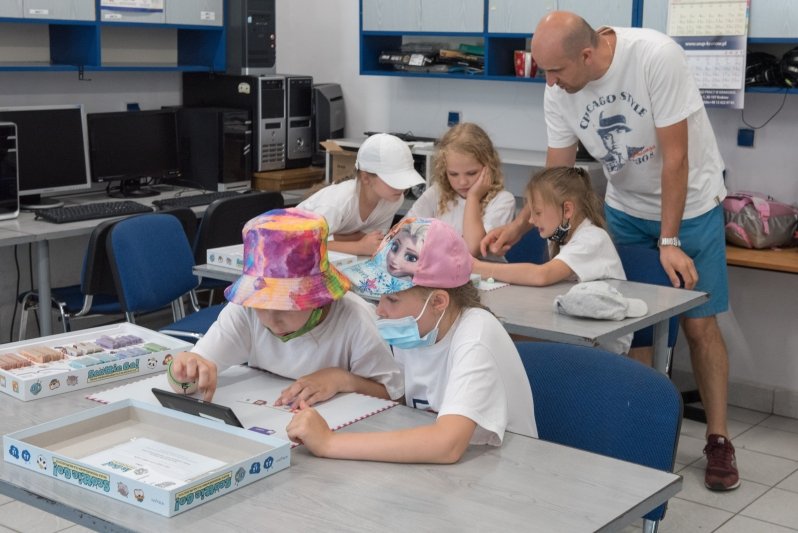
x=360, y=211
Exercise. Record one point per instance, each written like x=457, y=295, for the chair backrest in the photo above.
x=151, y=261
x=187, y=218
x=642, y=264
x=605, y=403
x=224, y=219
x=532, y=248
x=96, y=277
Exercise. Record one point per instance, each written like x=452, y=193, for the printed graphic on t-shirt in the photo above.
x=615, y=128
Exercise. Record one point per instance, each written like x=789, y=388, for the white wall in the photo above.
x=761, y=332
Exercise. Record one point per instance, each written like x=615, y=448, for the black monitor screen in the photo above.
x=51, y=148
x=133, y=144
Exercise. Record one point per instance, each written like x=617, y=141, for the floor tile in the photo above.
x=77, y=529
x=698, y=430
x=743, y=524
x=745, y=415
x=772, y=441
x=689, y=517
x=791, y=483
x=781, y=422
x=763, y=468
x=690, y=449
x=777, y=506
x=4, y=499
x=734, y=501
x=21, y=517
x=4, y=529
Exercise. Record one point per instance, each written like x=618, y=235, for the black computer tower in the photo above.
x=329, y=114
x=299, y=121
x=216, y=147
x=251, y=37
x=262, y=96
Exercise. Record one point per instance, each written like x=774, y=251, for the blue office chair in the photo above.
x=94, y=295
x=642, y=264
x=601, y=402
x=532, y=248
x=151, y=261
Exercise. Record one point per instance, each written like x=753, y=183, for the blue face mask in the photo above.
x=403, y=332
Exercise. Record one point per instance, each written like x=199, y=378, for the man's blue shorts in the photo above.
x=703, y=239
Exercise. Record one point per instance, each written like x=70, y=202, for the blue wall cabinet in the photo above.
x=199, y=12
x=188, y=35
x=11, y=8
x=59, y=9
x=500, y=26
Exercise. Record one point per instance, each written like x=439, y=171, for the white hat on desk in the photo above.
x=598, y=299
x=388, y=157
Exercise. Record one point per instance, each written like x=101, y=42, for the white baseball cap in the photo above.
x=598, y=299
x=388, y=157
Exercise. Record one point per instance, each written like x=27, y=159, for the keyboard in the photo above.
x=193, y=200
x=74, y=213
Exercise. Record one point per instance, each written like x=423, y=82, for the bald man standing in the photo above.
x=627, y=94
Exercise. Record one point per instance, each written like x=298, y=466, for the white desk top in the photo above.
x=526, y=484
x=529, y=311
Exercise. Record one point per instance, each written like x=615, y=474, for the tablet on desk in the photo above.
x=193, y=406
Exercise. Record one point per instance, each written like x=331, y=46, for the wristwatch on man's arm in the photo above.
x=670, y=241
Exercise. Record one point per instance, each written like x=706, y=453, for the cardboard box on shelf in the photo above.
x=342, y=162
x=138, y=454
x=286, y=180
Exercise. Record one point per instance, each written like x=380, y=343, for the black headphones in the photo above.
x=789, y=67
x=762, y=68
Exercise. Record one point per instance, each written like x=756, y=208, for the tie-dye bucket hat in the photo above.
x=285, y=263
x=417, y=251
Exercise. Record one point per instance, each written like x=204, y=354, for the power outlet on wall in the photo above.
x=453, y=119
x=745, y=137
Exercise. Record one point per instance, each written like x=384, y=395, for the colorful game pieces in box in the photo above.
x=41, y=354
x=9, y=361
x=113, y=343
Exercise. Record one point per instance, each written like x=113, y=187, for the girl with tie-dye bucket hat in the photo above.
x=290, y=314
x=458, y=360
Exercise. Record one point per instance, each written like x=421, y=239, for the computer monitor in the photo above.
x=135, y=148
x=52, y=151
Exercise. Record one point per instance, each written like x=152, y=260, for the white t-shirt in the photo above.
x=347, y=338
x=499, y=211
x=339, y=204
x=474, y=371
x=591, y=254
x=647, y=86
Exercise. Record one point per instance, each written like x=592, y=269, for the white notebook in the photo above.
x=251, y=393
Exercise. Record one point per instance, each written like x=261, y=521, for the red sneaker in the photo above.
x=721, y=473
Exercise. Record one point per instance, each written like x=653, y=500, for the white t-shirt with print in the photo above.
x=339, y=204
x=499, y=211
x=474, y=371
x=647, y=86
x=347, y=338
x=591, y=254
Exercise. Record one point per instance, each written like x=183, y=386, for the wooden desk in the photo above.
x=780, y=260
x=529, y=311
x=527, y=484
x=26, y=229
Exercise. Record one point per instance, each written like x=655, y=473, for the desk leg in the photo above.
x=327, y=168
x=662, y=358
x=43, y=282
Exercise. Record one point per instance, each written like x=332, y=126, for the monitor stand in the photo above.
x=36, y=201
x=132, y=188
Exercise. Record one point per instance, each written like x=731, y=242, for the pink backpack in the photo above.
x=754, y=220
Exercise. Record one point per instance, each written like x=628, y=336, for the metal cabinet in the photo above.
x=59, y=9
x=391, y=15
x=452, y=15
x=517, y=16
x=773, y=19
x=605, y=13
x=199, y=12
x=11, y=8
